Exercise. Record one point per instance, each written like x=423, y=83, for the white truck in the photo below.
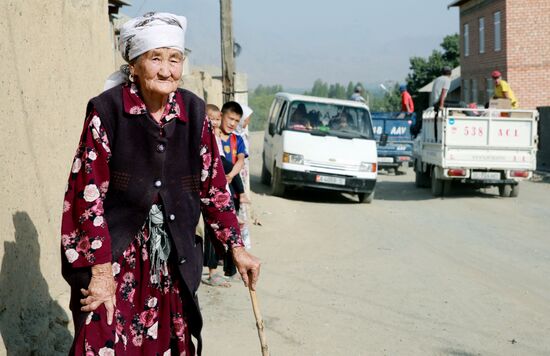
x=482, y=147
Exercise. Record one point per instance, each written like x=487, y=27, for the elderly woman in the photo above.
x=146, y=165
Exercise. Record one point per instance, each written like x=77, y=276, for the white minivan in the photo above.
x=320, y=143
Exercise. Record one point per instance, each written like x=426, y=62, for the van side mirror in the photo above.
x=271, y=128
x=383, y=139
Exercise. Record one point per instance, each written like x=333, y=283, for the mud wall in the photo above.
x=54, y=56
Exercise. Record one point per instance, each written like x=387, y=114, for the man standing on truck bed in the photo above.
x=407, y=104
x=503, y=90
x=441, y=88
x=439, y=93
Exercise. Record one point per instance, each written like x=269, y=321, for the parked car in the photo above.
x=321, y=143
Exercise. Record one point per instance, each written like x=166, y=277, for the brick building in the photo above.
x=511, y=36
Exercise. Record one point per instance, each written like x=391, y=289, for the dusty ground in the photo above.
x=407, y=275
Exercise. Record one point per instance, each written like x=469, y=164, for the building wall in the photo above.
x=54, y=56
x=528, y=29
x=478, y=66
x=523, y=58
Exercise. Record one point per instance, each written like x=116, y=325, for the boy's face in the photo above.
x=230, y=120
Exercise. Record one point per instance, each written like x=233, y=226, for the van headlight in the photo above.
x=367, y=167
x=293, y=158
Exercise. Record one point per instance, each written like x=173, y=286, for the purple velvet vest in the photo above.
x=149, y=162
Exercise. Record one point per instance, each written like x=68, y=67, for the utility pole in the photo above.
x=228, y=58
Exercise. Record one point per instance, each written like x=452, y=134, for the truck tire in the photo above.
x=421, y=179
x=447, y=187
x=504, y=190
x=277, y=186
x=437, y=186
x=265, y=177
x=515, y=191
x=366, y=197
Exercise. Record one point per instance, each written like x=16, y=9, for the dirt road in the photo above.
x=406, y=275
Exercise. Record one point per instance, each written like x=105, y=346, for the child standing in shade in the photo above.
x=237, y=183
x=234, y=152
x=234, y=149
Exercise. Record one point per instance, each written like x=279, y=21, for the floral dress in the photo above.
x=150, y=316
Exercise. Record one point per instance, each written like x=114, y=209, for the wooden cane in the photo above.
x=259, y=321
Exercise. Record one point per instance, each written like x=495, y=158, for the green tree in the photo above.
x=350, y=89
x=388, y=102
x=451, y=50
x=337, y=91
x=260, y=100
x=319, y=88
x=424, y=70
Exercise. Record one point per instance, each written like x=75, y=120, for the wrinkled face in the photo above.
x=230, y=121
x=158, y=71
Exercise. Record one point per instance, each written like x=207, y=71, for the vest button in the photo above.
x=158, y=183
x=182, y=260
x=161, y=148
x=172, y=217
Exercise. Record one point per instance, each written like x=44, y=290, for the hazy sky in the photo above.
x=295, y=42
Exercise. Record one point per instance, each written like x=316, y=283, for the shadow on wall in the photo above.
x=31, y=322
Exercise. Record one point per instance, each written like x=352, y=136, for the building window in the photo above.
x=482, y=35
x=466, y=40
x=466, y=90
x=474, y=91
x=496, y=22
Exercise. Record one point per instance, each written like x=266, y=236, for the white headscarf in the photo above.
x=142, y=34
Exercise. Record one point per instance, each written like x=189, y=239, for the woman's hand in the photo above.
x=247, y=265
x=101, y=290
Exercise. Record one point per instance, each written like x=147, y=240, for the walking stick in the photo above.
x=259, y=321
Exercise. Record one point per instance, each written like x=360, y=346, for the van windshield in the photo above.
x=329, y=119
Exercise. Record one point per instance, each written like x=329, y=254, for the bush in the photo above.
x=260, y=101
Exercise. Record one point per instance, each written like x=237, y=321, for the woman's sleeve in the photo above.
x=85, y=238
x=217, y=207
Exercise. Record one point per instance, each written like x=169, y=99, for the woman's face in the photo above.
x=158, y=71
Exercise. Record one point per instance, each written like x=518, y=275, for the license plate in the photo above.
x=385, y=159
x=330, y=180
x=485, y=175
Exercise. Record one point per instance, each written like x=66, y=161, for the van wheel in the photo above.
x=265, y=177
x=277, y=186
x=504, y=190
x=366, y=197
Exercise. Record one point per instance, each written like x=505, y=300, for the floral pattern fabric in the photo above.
x=149, y=316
